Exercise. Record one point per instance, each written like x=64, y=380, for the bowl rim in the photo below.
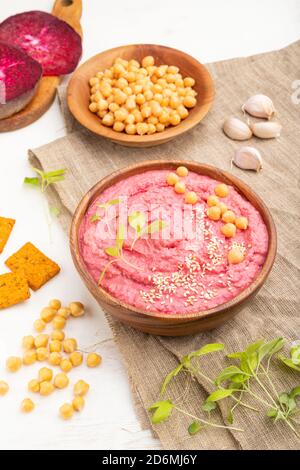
x=198, y=113
x=147, y=165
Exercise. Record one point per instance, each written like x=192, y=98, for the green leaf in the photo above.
x=33, y=181
x=209, y=406
x=112, y=251
x=235, y=355
x=248, y=362
x=54, y=211
x=295, y=354
x=272, y=413
x=228, y=374
x=284, y=398
x=270, y=348
x=289, y=363
x=230, y=417
x=295, y=393
x=155, y=226
x=107, y=204
x=169, y=377
x=95, y=218
x=54, y=173
x=194, y=428
x=219, y=395
x=162, y=411
x=207, y=349
x=253, y=347
x=137, y=220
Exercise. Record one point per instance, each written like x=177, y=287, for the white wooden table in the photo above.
x=207, y=30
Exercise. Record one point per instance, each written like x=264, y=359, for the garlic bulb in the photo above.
x=236, y=129
x=266, y=129
x=248, y=158
x=259, y=106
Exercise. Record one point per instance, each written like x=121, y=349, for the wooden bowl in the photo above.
x=172, y=324
x=79, y=92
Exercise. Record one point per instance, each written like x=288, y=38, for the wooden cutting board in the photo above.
x=69, y=11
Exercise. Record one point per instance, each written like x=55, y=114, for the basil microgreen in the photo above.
x=293, y=362
x=45, y=179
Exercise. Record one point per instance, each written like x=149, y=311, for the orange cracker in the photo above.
x=34, y=265
x=13, y=289
x=6, y=226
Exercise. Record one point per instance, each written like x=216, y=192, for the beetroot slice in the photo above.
x=19, y=73
x=47, y=39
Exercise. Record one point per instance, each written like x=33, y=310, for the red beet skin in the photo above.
x=19, y=72
x=48, y=40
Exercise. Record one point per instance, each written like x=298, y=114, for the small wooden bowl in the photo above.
x=172, y=324
x=78, y=93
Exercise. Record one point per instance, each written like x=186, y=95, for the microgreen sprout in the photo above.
x=45, y=179
x=137, y=220
x=293, y=362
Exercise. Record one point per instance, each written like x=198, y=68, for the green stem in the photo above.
x=265, y=390
x=259, y=398
x=105, y=269
x=292, y=428
x=207, y=422
x=272, y=386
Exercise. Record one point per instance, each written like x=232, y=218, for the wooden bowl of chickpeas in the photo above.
x=140, y=95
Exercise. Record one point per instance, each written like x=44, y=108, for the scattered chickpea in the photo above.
x=241, y=223
x=13, y=363
x=222, y=190
x=76, y=358
x=179, y=187
x=41, y=341
x=93, y=360
x=66, y=411
x=46, y=388
x=29, y=357
x=58, y=322
x=42, y=354
x=55, y=303
x=57, y=335
x=34, y=386
x=223, y=207
x=172, y=179
x=27, y=405
x=229, y=230
x=77, y=309
x=66, y=365
x=28, y=342
x=228, y=217
x=235, y=256
x=39, y=325
x=61, y=381
x=64, y=312
x=81, y=388
x=3, y=388
x=45, y=374
x=69, y=345
x=78, y=403
x=191, y=197
x=214, y=213
x=47, y=314
x=212, y=200
x=55, y=346
x=54, y=359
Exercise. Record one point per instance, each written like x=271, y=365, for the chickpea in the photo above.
x=29, y=357
x=152, y=120
x=76, y=358
x=97, y=97
x=223, y=207
x=66, y=411
x=130, y=129
x=148, y=95
x=34, y=386
x=172, y=179
x=222, y=190
x=108, y=73
x=78, y=403
x=212, y=200
x=27, y=405
x=70, y=345
x=13, y=364
x=146, y=111
x=118, y=70
x=174, y=101
x=189, y=101
x=214, y=213
x=137, y=116
x=229, y=230
x=164, y=117
x=81, y=388
x=113, y=107
x=121, y=97
x=189, y=82
x=179, y=187
x=141, y=128
x=241, y=223
x=156, y=108
x=66, y=365
x=121, y=83
x=228, y=217
x=58, y=322
x=191, y=197
x=93, y=360
x=28, y=342
x=182, y=111
x=46, y=388
x=102, y=113
x=118, y=126
x=61, y=381
x=160, y=127
x=54, y=359
x=45, y=374
x=179, y=83
x=64, y=312
x=151, y=129
x=148, y=61
x=161, y=70
x=235, y=256
x=165, y=101
x=121, y=114
x=39, y=325
x=99, y=74
x=93, y=81
x=140, y=99
x=182, y=171
x=57, y=335
x=175, y=119
x=55, y=345
x=151, y=69
x=130, y=103
x=55, y=303
x=47, y=314
x=41, y=341
x=130, y=77
x=42, y=354
x=3, y=388
x=127, y=91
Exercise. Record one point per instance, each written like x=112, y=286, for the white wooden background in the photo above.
x=207, y=30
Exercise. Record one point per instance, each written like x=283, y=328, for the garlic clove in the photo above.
x=266, y=129
x=248, y=158
x=236, y=129
x=259, y=106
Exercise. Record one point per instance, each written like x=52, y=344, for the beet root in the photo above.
x=19, y=78
x=50, y=41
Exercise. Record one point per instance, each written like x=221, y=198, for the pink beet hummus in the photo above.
x=182, y=267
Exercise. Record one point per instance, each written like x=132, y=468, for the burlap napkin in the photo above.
x=275, y=310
